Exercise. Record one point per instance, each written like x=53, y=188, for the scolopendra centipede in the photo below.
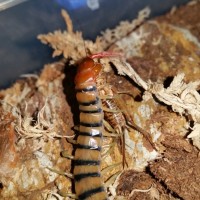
x=87, y=158
x=88, y=182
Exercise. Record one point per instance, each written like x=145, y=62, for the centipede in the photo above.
x=88, y=180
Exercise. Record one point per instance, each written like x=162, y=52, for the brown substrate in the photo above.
x=179, y=169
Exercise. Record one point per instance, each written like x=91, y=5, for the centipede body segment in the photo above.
x=87, y=172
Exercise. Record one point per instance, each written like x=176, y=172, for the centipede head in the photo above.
x=86, y=64
x=88, y=71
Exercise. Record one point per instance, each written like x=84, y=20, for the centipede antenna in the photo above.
x=105, y=54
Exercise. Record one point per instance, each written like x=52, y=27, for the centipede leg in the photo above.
x=112, y=179
x=107, y=169
x=69, y=175
x=110, y=149
x=119, y=135
x=72, y=196
x=72, y=141
x=65, y=154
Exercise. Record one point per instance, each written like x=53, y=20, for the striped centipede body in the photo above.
x=87, y=158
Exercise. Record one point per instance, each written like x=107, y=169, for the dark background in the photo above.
x=21, y=52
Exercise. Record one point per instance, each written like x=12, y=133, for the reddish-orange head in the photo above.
x=87, y=71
